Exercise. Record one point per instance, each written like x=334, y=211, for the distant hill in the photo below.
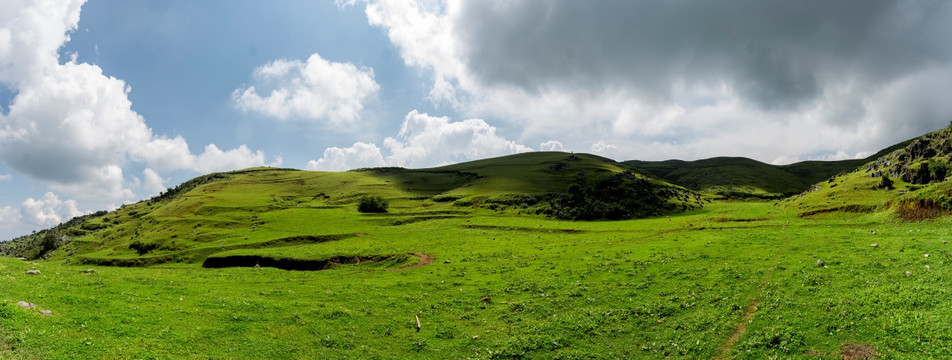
x=743, y=177
x=263, y=207
x=911, y=178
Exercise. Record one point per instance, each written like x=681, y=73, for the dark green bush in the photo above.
x=372, y=204
x=885, y=183
x=142, y=248
x=938, y=168
x=617, y=197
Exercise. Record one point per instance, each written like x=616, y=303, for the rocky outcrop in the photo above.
x=922, y=161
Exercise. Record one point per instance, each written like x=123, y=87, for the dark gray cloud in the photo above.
x=777, y=55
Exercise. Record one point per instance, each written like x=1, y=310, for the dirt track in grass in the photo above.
x=425, y=259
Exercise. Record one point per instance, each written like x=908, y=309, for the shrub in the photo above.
x=142, y=248
x=886, y=183
x=372, y=204
x=938, y=168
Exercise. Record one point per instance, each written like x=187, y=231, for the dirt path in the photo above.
x=728, y=345
x=725, y=349
x=425, y=259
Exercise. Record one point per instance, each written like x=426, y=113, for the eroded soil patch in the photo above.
x=860, y=209
x=848, y=351
x=299, y=264
x=410, y=220
x=425, y=259
x=852, y=351
x=516, y=228
x=918, y=210
x=724, y=219
x=195, y=255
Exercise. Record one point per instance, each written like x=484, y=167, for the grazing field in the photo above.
x=732, y=280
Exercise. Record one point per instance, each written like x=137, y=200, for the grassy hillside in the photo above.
x=256, y=209
x=743, y=177
x=727, y=174
x=911, y=179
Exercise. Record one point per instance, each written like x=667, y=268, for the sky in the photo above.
x=108, y=102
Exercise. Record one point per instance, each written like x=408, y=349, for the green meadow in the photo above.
x=510, y=286
x=462, y=266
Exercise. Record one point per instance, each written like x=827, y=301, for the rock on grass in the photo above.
x=26, y=305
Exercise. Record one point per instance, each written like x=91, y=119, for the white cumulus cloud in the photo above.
x=48, y=210
x=359, y=155
x=214, y=159
x=602, y=148
x=152, y=182
x=426, y=140
x=96, y=183
x=9, y=216
x=423, y=141
x=6, y=177
x=70, y=125
x=551, y=145
x=314, y=90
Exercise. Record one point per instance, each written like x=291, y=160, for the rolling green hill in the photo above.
x=727, y=175
x=263, y=208
x=743, y=177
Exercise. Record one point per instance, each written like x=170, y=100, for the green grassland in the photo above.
x=471, y=251
x=516, y=286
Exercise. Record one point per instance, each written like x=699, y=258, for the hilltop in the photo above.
x=264, y=208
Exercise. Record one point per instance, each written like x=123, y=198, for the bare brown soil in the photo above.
x=917, y=210
x=724, y=219
x=848, y=351
x=859, y=209
x=851, y=351
x=425, y=259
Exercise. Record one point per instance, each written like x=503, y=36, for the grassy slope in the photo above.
x=749, y=176
x=856, y=191
x=522, y=173
x=741, y=174
x=245, y=211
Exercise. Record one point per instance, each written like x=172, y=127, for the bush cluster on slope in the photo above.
x=189, y=185
x=372, y=204
x=617, y=197
x=39, y=244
